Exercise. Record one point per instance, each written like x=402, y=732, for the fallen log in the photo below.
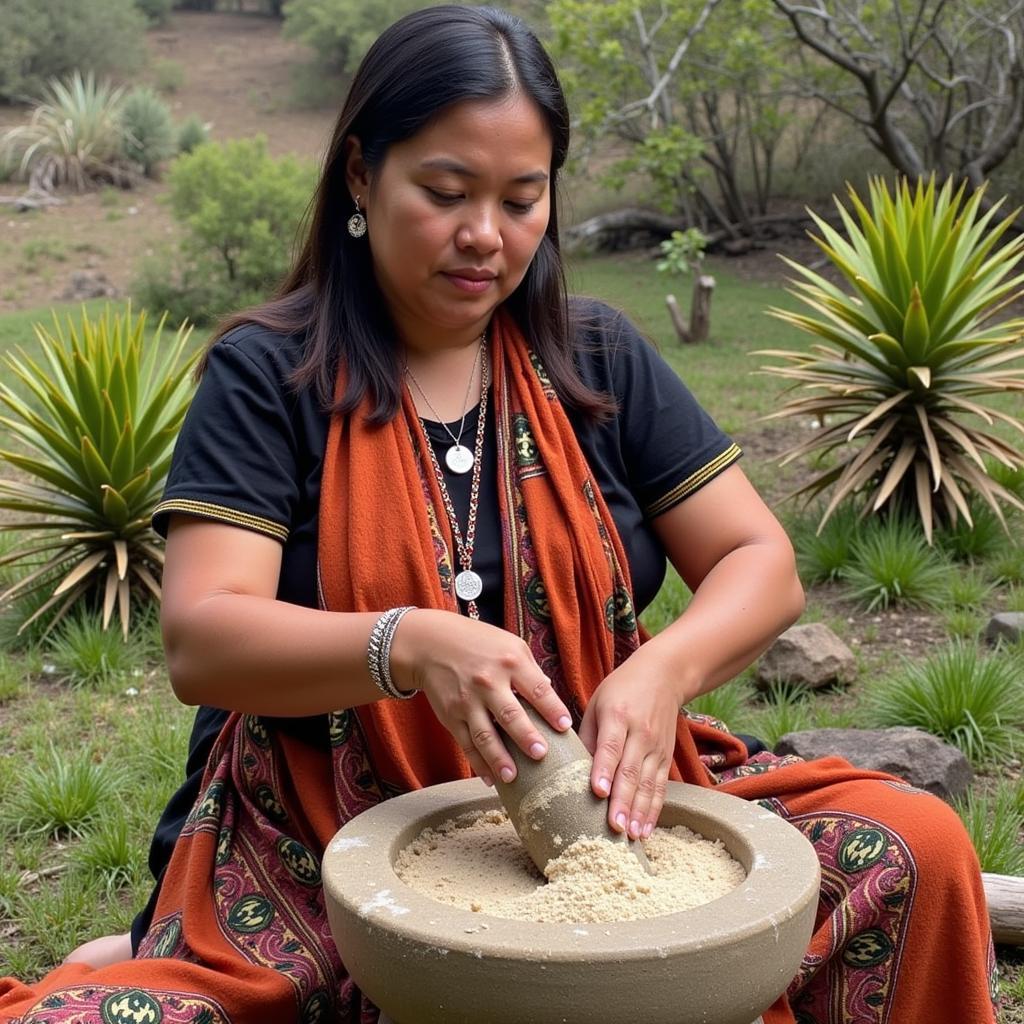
x=633, y=228
x=24, y=203
x=1005, y=896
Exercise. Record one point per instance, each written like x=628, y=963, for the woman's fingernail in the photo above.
x=564, y=722
x=488, y=781
x=620, y=820
x=648, y=829
x=634, y=829
x=507, y=774
x=604, y=787
x=538, y=749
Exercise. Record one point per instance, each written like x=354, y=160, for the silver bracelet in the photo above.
x=378, y=653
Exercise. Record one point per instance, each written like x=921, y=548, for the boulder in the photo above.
x=809, y=655
x=917, y=756
x=1008, y=626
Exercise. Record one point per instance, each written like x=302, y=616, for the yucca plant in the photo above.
x=99, y=420
x=904, y=363
x=147, y=129
x=73, y=137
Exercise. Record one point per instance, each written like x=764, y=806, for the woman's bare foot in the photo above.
x=108, y=949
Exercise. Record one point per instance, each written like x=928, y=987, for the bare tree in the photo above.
x=936, y=85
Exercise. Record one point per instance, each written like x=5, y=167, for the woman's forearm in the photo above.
x=740, y=607
x=263, y=656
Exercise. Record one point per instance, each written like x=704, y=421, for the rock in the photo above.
x=1008, y=626
x=810, y=655
x=87, y=284
x=917, y=756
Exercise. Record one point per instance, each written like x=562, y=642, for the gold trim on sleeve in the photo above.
x=208, y=510
x=694, y=481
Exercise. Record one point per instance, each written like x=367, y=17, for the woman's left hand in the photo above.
x=630, y=728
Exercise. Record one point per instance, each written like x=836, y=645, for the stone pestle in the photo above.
x=551, y=803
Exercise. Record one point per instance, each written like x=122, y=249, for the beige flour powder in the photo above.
x=477, y=862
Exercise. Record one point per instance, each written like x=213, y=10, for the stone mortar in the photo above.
x=424, y=962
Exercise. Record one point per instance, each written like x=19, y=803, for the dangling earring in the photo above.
x=357, y=222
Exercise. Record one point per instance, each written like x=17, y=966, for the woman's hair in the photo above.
x=422, y=64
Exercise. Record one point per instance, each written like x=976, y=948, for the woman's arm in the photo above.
x=736, y=558
x=231, y=644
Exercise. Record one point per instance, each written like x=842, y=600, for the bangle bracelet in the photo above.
x=378, y=653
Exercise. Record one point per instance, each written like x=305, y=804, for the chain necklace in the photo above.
x=458, y=458
x=468, y=585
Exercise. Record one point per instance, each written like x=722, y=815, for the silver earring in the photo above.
x=357, y=222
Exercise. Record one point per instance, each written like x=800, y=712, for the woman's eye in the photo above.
x=445, y=198
x=523, y=208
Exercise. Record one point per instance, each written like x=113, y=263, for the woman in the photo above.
x=477, y=523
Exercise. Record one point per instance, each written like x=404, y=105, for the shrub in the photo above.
x=968, y=589
x=40, y=41
x=148, y=131
x=891, y=563
x=341, y=31
x=241, y=211
x=191, y=133
x=910, y=358
x=973, y=701
x=168, y=75
x=98, y=429
x=1008, y=565
x=156, y=11
x=73, y=137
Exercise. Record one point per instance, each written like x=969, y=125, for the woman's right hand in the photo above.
x=471, y=672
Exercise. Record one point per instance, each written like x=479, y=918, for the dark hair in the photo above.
x=423, y=63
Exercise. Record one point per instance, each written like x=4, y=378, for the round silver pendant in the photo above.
x=468, y=585
x=459, y=458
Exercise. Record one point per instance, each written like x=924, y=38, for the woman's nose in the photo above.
x=480, y=231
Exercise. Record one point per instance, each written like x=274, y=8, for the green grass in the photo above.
x=972, y=700
x=890, y=563
x=994, y=823
x=717, y=371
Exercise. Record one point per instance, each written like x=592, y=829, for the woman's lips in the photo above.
x=468, y=284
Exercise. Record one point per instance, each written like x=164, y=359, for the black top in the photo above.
x=250, y=453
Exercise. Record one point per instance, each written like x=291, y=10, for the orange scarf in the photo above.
x=385, y=541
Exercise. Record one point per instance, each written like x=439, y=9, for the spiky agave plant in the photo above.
x=97, y=422
x=906, y=361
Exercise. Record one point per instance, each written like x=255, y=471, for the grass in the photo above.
x=995, y=822
x=973, y=700
x=891, y=563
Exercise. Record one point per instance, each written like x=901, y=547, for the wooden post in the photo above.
x=682, y=331
x=700, y=307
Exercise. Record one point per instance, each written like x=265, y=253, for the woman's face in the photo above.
x=454, y=216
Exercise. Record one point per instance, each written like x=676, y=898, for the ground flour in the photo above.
x=477, y=862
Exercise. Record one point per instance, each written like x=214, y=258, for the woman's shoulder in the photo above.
x=608, y=347
x=251, y=352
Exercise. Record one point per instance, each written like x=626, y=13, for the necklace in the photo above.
x=468, y=585
x=458, y=458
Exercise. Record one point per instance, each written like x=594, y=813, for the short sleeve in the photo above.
x=235, y=457
x=670, y=445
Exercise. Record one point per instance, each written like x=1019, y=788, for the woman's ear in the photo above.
x=357, y=174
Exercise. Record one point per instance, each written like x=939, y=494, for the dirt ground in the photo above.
x=238, y=75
